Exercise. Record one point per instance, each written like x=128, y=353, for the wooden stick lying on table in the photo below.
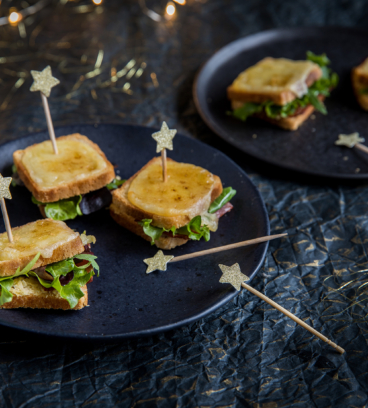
x=227, y=247
x=293, y=317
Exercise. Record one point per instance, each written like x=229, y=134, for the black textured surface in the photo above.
x=124, y=301
x=245, y=354
x=310, y=149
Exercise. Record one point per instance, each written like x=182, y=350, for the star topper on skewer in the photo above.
x=158, y=262
x=5, y=193
x=164, y=139
x=349, y=140
x=43, y=82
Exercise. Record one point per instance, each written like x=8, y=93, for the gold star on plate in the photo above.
x=158, y=262
x=349, y=140
x=43, y=81
x=164, y=138
x=232, y=274
x=4, y=187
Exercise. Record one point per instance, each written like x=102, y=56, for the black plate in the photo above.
x=124, y=301
x=311, y=148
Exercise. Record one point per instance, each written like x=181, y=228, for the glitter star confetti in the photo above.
x=158, y=262
x=233, y=275
x=43, y=81
x=4, y=187
x=349, y=140
x=164, y=138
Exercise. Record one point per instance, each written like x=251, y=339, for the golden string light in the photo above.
x=14, y=17
x=170, y=9
x=97, y=2
x=181, y=2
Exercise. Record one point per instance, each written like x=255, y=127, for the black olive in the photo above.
x=95, y=200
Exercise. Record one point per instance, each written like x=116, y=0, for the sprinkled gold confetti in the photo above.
x=158, y=262
x=164, y=138
x=4, y=187
x=349, y=140
x=232, y=275
x=43, y=81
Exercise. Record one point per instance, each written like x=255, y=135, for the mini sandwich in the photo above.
x=185, y=207
x=359, y=76
x=282, y=91
x=47, y=266
x=74, y=182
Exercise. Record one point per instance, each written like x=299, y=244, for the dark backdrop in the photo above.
x=246, y=354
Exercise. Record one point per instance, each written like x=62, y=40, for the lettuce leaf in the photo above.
x=195, y=230
x=322, y=86
x=71, y=292
x=62, y=210
x=226, y=195
x=5, y=295
x=116, y=183
x=154, y=232
x=364, y=91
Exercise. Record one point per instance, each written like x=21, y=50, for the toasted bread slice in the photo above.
x=279, y=80
x=128, y=222
x=29, y=293
x=175, y=206
x=289, y=123
x=80, y=167
x=359, y=76
x=53, y=239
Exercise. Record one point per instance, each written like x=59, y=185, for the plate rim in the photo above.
x=162, y=328
x=286, y=31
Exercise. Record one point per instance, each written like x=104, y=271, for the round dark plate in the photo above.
x=124, y=301
x=310, y=149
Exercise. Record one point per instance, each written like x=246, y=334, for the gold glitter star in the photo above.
x=232, y=274
x=164, y=138
x=158, y=262
x=43, y=81
x=349, y=140
x=4, y=187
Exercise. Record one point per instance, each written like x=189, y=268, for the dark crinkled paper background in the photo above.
x=246, y=354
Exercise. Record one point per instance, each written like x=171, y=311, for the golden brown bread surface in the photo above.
x=289, y=123
x=77, y=185
x=128, y=222
x=53, y=239
x=359, y=76
x=280, y=87
x=127, y=215
x=122, y=205
x=29, y=293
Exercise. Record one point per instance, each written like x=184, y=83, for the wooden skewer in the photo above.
x=227, y=247
x=6, y=220
x=293, y=317
x=362, y=147
x=50, y=126
x=164, y=170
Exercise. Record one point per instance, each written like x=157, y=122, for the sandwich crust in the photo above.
x=359, y=77
x=240, y=91
x=67, y=189
x=66, y=249
x=127, y=215
x=288, y=123
x=28, y=293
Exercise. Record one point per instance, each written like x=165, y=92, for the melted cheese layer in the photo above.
x=187, y=190
x=275, y=75
x=42, y=236
x=76, y=161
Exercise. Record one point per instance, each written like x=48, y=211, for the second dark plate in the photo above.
x=311, y=148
